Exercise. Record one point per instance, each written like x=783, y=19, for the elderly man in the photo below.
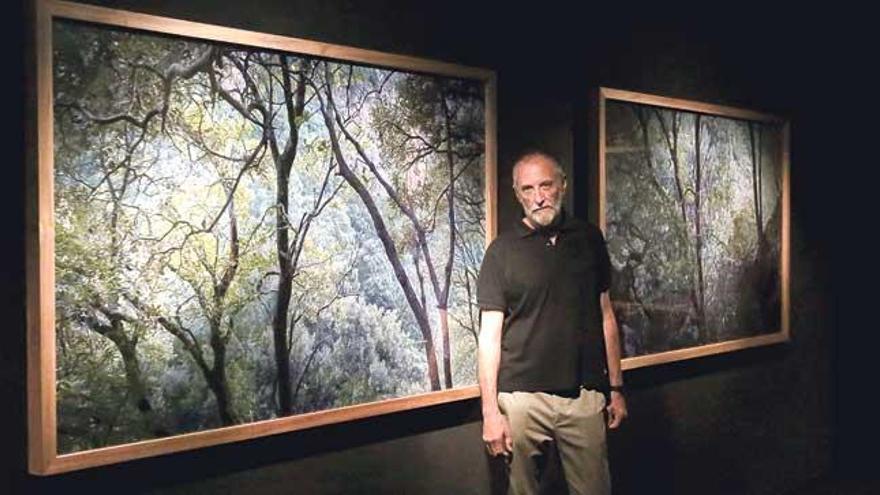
x=549, y=350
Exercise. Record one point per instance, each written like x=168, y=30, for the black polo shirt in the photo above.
x=552, y=336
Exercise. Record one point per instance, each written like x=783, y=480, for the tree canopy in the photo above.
x=244, y=234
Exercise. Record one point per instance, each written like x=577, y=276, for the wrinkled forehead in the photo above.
x=536, y=169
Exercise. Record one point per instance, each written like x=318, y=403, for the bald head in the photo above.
x=539, y=184
x=537, y=156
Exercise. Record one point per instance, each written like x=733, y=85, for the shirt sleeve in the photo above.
x=603, y=263
x=490, y=283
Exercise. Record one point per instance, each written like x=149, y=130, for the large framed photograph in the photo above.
x=235, y=234
x=694, y=203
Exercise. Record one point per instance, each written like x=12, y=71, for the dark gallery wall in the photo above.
x=766, y=420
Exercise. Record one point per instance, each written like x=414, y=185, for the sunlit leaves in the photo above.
x=167, y=226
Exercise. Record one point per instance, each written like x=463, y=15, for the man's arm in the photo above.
x=496, y=431
x=617, y=408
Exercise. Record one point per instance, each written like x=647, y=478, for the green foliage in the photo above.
x=685, y=251
x=166, y=222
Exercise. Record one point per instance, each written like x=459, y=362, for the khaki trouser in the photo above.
x=577, y=426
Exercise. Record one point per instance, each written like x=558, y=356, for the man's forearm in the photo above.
x=488, y=359
x=612, y=341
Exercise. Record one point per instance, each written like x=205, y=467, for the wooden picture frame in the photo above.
x=701, y=259
x=42, y=283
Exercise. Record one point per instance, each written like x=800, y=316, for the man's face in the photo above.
x=539, y=189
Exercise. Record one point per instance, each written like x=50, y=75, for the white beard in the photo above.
x=544, y=216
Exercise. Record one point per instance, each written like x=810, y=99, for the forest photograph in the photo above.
x=694, y=216
x=243, y=234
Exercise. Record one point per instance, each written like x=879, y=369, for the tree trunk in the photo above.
x=447, y=358
x=294, y=103
x=384, y=236
x=754, y=147
x=698, y=235
x=137, y=388
x=392, y=255
x=219, y=385
x=282, y=302
x=695, y=278
x=217, y=378
x=443, y=296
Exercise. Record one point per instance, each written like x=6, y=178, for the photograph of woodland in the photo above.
x=243, y=234
x=693, y=226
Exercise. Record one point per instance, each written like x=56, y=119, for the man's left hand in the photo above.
x=616, y=410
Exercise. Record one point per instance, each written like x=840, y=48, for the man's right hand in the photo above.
x=496, y=435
